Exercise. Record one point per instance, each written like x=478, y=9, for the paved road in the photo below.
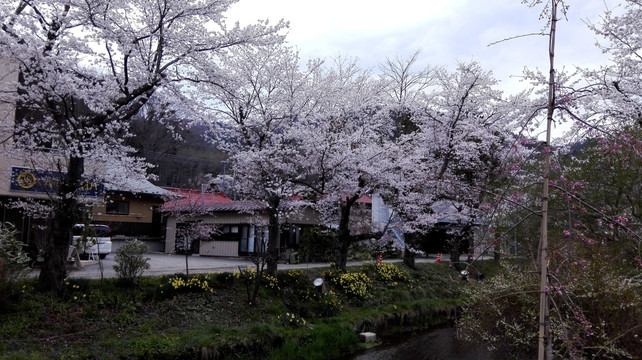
x=168, y=264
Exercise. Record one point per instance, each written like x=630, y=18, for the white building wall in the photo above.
x=170, y=235
x=214, y=248
x=380, y=211
x=219, y=248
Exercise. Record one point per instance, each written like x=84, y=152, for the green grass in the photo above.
x=161, y=320
x=324, y=341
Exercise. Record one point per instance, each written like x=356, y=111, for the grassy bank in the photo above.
x=209, y=317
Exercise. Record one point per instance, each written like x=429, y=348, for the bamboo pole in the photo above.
x=545, y=346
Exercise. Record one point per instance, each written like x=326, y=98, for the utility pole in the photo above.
x=545, y=346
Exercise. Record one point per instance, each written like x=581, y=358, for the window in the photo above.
x=118, y=207
x=231, y=233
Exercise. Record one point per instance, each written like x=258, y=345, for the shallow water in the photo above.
x=438, y=344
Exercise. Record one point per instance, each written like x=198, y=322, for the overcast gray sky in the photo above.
x=446, y=30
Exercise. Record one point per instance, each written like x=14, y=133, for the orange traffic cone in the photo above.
x=380, y=259
x=438, y=257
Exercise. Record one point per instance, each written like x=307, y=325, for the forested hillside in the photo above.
x=177, y=149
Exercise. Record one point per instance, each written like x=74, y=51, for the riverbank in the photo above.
x=209, y=316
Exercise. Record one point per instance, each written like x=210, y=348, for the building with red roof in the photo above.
x=187, y=199
x=238, y=228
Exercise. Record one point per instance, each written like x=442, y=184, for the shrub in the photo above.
x=293, y=279
x=130, y=260
x=183, y=284
x=253, y=279
x=330, y=304
x=222, y=279
x=311, y=302
x=13, y=260
x=385, y=272
x=249, y=274
x=291, y=319
x=595, y=313
x=354, y=285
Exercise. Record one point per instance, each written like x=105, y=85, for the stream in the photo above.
x=438, y=344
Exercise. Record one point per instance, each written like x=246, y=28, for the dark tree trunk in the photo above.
x=188, y=253
x=471, y=244
x=408, y=258
x=54, y=268
x=344, y=238
x=463, y=236
x=497, y=250
x=455, y=252
x=342, y=256
x=274, y=236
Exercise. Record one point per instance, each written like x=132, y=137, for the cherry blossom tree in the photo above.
x=617, y=98
x=462, y=144
x=407, y=87
x=343, y=152
x=88, y=66
x=405, y=84
x=255, y=107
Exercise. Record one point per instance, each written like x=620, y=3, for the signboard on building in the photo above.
x=43, y=181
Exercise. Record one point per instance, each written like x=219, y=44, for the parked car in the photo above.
x=98, y=240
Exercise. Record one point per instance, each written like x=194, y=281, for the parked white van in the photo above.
x=98, y=240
